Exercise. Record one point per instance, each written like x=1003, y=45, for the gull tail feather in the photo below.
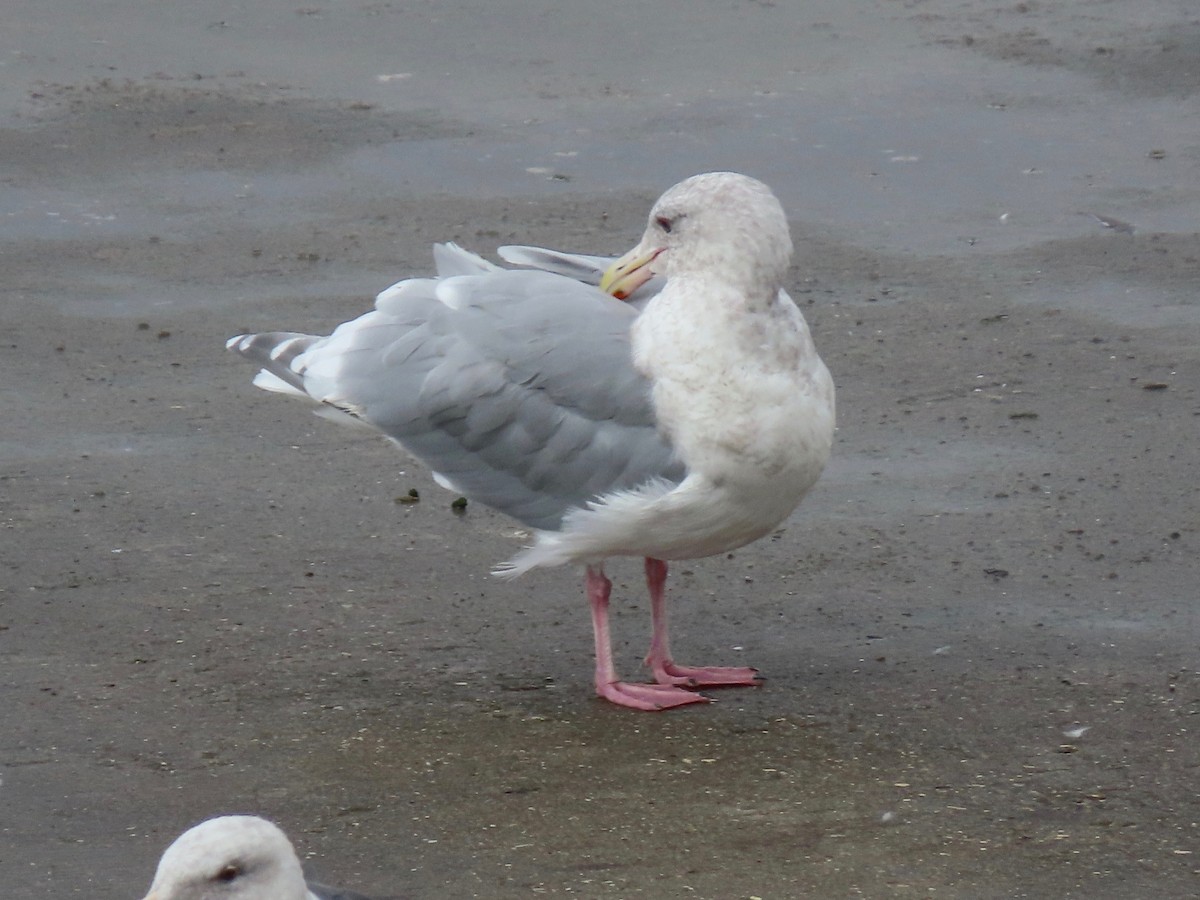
x=607, y=526
x=276, y=352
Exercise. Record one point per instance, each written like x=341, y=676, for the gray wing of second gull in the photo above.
x=517, y=387
x=325, y=892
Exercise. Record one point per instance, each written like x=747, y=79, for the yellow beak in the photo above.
x=629, y=272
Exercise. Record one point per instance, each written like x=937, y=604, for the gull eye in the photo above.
x=228, y=873
x=664, y=223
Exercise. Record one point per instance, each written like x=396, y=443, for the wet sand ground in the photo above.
x=980, y=630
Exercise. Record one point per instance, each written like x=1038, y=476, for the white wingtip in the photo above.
x=443, y=482
x=283, y=346
x=270, y=382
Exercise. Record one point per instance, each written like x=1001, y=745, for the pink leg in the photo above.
x=636, y=696
x=659, y=658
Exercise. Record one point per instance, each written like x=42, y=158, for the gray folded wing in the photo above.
x=577, y=266
x=517, y=387
x=324, y=892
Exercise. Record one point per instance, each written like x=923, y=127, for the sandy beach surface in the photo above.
x=980, y=631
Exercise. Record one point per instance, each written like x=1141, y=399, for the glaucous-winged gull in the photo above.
x=686, y=425
x=236, y=858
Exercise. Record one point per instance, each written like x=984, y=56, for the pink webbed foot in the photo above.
x=649, y=697
x=659, y=660
x=668, y=672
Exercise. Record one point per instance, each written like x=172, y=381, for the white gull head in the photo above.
x=721, y=224
x=230, y=858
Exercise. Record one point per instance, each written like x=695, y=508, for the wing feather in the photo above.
x=515, y=386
